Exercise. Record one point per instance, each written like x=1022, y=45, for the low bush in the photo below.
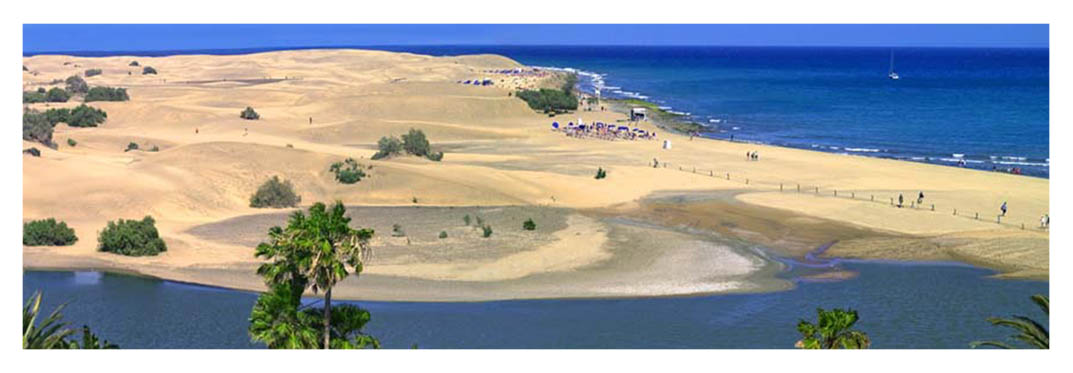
x=71, y=142
x=107, y=94
x=348, y=171
x=249, y=114
x=33, y=97
x=134, y=63
x=148, y=70
x=388, y=146
x=548, y=100
x=57, y=94
x=76, y=85
x=396, y=231
x=80, y=116
x=466, y=219
x=93, y=72
x=443, y=234
x=529, y=225
x=132, y=146
x=47, y=232
x=600, y=173
x=275, y=193
x=486, y=231
x=32, y=151
x=131, y=238
x=36, y=127
x=415, y=143
x=154, y=148
x=436, y=157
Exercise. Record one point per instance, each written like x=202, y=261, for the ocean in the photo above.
x=983, y=108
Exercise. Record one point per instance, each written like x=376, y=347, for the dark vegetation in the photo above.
x=148, y=70
x=347, y=171
x=55, y=94
x=601, y=173
x=549, y=100
x=47, y=232
x=131, y=238
x=93, y=72
x=134, y=63
x=529, y=225
x=486, y=231
x=36, y=127
x=32, y=151
x=106, y=94
x=413, y=142
x=71, y=142
x=443, y=234
x=275, y=193
x=131, y=146
x=249, y=114
x=1029, y=331
x=833, y=330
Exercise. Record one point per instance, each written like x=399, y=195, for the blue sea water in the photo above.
x=987, y=108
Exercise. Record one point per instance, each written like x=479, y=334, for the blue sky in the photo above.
x=83, y=37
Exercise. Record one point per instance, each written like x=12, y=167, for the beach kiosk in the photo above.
x=638, y=113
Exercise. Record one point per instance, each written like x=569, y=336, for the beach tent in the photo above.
x=555, y=125
x=623, y=128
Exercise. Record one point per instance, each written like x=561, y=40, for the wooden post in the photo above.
x=780, y=187
x=933, y=207
x=998, y=219
x=746, y=181
x=817, y=190
x=728, y=176
x=955, y=212
x=1022, y=226
x=799, y=188
x=853, y=195
x=977, y=216
x=892, y=201
x=711, y=173
x=872, y=198
x=694, y=170
x=835, y=192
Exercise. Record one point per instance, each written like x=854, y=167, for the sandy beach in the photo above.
x=704, y=221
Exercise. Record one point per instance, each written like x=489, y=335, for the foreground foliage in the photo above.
x=131, y=238
x=388, y=146
x=51, y=332
x=249, y=114
x=316, y=252
x=75, y=84
x=47, y=232
x=832, y=331
x=1029, y=331
x=549, y=100
x=276, y=194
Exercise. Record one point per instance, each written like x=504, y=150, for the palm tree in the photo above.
x=1030, y=332
x=832, y=331
x=319, y=250
x=277, y=322
x=50, y=332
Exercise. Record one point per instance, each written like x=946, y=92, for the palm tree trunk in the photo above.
x=327, y=318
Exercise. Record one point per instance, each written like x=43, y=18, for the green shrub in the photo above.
x=148, y=70
x=131, y=146
x=154, y=148
x=415, y=142
x=131, y=238
x=466, y=219
x=548, y=100
x=93, y=72
x=348, y=171
x=486, y=231
x=107, y=94
x=388, y=146
x=134, y=63
x=436, y=157
x=32, y=97
x=47, y=232
x=480, y=221
x=75, y=84
x=396, y=230
x=249, y=114
x=529, y=225
x=80, y=116
x=415, y=199
x=443, y=234
x=601, y=173
x=36, y=127
x=568, y=85
x=71, y=142
x=32, y=151
x=57, y=94
x=275, y=193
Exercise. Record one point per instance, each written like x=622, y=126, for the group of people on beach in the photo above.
x=752, y=156
x=603, y=131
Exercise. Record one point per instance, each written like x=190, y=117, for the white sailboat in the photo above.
x=893, y=75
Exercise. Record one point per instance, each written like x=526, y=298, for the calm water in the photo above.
x=986, y=106
x=902, y=306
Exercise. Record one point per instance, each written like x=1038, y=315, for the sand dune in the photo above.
x=498, y=152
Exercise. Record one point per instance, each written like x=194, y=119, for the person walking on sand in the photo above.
x=1003, y=208
x=900, y=200
x=655, y=163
